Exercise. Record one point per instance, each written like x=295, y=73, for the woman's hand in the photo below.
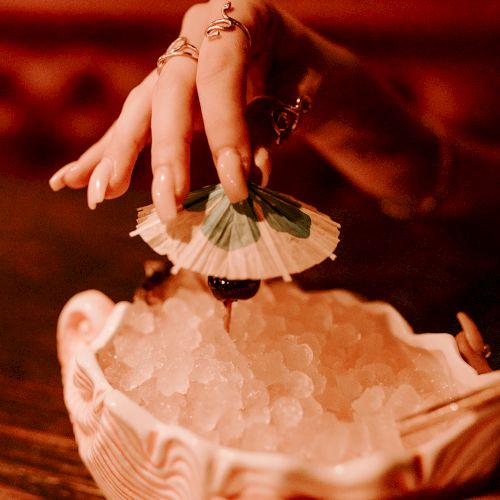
x=166, y=108
x=356, y=122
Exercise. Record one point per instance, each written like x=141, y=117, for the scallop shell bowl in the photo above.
x=133, y=455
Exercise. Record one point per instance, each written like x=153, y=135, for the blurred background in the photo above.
x=66, y=67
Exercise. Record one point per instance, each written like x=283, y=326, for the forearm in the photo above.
x=367, y=132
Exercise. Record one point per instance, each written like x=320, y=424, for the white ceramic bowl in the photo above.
x=132, y=455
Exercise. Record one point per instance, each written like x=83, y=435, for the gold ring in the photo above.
x=179, y=47
x=226, y=23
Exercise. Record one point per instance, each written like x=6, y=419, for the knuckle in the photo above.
x=137, y=143
x=167, y=154
x=125, y=144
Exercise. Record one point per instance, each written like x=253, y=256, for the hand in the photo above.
x=356, y=122
x=166, y=108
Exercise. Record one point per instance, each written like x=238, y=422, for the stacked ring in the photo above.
x=179, y=47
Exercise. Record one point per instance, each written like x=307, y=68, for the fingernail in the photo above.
x=181, y=182
x=56, y=182
x=231, y=172
x=98, y=183
x=262, y=161
x=471, y=333
x=162, y=191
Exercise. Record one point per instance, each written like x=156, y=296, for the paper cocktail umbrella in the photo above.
x=266, y=236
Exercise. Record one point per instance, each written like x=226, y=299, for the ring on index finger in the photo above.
x=179, y=47
x=226, y=23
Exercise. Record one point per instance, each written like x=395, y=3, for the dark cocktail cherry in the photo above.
x=224, y=289
x=228, y=291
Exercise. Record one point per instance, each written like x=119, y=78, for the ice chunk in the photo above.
x=370, y=401
x=174, y=376
x=331, y=440
x=299, y=385
x=256, y=402
x=269, y=367
x=231, y=426
x=286, y=412
x=311, y=407
x=205, y=370
x=375, y=374
x=335, y=401
x=344, y=334
x=132, y=349
x=168, y=409
x=403, y=401
x=260, y=437
x=140, y=318
x=298, y=357
x=132, y=378
x=349, y=384
x=382, y=431
x=206, y=403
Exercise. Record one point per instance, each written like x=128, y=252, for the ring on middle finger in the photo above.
x=179, y=47
x=227, y=23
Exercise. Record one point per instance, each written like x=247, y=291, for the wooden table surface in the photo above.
x=52, y=247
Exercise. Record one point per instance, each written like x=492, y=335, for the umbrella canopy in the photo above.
x=267, y=235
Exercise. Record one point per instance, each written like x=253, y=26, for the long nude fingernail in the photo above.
x=56, y=182
x=162, y=191
x=262, y=160
x=471, y=332
x=73, y=173
x=98, y=183
x=231, y=170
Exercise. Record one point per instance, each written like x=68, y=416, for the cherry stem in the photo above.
x=228, y=304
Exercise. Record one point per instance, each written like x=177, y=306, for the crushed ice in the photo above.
x=302, y=373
